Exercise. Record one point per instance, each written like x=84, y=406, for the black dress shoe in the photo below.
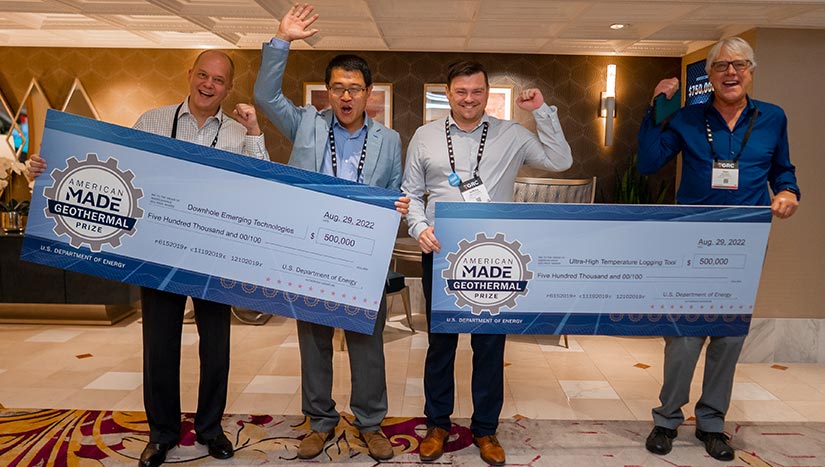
x=154, y=454
x=219, y=447
x=660, y=440
x=716, y=444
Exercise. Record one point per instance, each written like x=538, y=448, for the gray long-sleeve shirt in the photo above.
x=509, y=146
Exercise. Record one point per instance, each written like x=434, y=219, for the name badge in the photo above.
x=725, y=175
x=474, y=191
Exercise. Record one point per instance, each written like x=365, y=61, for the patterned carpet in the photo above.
x=103, y=438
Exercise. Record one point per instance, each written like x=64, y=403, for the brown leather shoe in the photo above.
x=490, y=449
x=313, y=444
x=378, y=444
x=432, y=446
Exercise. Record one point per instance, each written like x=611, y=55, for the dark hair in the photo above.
x=231, y=76
x=349, y=63
x=465, y=68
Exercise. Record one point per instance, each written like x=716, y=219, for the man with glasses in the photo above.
x=343, y=142
x=730, y=130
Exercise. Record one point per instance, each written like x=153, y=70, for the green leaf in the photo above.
x=634, y=188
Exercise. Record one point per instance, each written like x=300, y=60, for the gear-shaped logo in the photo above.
x=93, y=202
x=487, y=273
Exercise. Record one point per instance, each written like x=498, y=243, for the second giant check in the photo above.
x=171, y=215
x=519, y=268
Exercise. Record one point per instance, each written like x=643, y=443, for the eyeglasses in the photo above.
x=354, y=91
x=738, y=65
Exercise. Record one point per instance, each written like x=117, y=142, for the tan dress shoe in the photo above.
x=378, y=444
x=313, y=444
x=432, y=446
x=490, y=449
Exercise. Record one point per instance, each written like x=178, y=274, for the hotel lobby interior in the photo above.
x=71, y=364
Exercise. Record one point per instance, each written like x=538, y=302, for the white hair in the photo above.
x=734, y=45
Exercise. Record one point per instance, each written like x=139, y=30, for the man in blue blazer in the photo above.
x=343, y=142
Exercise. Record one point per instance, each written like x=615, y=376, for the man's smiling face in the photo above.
x=468, y=98
x=210, y=81
x=730, y=86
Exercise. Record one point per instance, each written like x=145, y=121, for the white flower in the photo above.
x=8, y=164
x=18, y=167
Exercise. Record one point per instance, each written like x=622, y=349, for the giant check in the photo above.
x=519, y=268
x=171, y=215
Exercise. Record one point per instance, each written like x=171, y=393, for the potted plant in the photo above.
x=634, y=188
x=13, y=215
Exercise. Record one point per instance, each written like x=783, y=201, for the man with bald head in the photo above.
x=198, y=119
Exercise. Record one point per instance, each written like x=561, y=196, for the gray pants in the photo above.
x=681, y=355
x=368, y=396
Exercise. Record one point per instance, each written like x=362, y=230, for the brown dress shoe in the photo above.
x=378, y=444
x=313, y=444
x=491, y=450
x=432, y=446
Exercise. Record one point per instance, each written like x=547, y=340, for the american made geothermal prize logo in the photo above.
x=487, y=273
x=93, y=202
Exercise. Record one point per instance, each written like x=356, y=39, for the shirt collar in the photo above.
x=709, y=104
x=338, y=126
x=484, y=119
x=185, y=110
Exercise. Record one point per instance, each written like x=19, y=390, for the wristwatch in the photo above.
x=792, y=190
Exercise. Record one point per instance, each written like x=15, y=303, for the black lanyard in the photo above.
x=744, y=140
x=335, y=158
x=481, y=143
x=175, y=126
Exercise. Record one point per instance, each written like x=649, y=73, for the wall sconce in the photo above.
x=607, y=108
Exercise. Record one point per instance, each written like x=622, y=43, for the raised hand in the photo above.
x=530, y=99
x=246, y=116
x=294, y=24
x=668, y=87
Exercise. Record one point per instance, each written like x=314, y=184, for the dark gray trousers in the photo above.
x=681, y=355
x=368, y=396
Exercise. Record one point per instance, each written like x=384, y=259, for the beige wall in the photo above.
x=791, y=66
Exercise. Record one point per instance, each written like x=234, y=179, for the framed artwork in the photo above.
x=499, y=104
x=435, y=102
x=379, y=105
